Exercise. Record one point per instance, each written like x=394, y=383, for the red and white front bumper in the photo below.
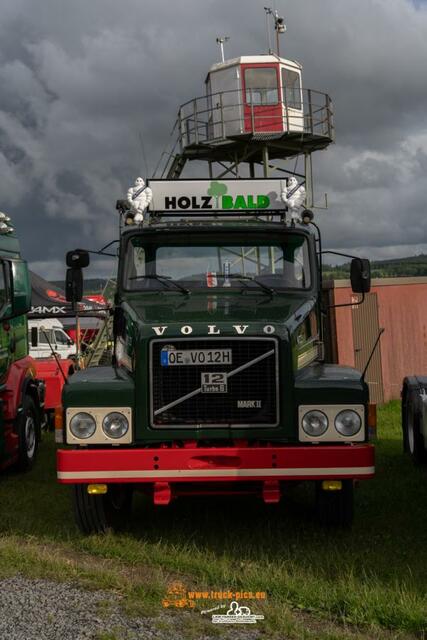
x=222, y=464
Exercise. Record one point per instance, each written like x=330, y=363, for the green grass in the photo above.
x=373, y=577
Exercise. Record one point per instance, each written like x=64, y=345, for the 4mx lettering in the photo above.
x=227, y=202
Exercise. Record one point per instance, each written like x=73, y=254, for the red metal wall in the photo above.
x=402, y=306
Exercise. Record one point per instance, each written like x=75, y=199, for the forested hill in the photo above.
x=396, y=268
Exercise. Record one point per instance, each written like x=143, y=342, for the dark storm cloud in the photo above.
x=81, y=80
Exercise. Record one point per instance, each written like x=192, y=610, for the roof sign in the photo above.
x=225, y=196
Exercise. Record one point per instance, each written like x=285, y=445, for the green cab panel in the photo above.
x=19, y=337
x=161, y=308
x=330, y=384
x=99, y=387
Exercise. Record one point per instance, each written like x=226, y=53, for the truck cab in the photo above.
x=21, y=393
x=218, y=382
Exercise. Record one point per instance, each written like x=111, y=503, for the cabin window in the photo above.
x=135, y=267
x=283, y=264
x=61, y=338
x=261, y=86
x=46, y=336
x=4, y=283
x=291, y=87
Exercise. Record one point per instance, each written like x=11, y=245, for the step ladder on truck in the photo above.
x=219, y=383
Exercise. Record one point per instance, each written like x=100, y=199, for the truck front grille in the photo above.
x=244, y=394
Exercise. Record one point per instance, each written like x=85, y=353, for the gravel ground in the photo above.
x=45, y=610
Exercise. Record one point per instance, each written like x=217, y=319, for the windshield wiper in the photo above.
x=166, y=280
x=241, y=277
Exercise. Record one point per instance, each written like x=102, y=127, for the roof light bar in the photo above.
x=5, y=227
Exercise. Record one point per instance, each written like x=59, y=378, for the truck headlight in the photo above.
x=315, y=423
x=82, y=425
x=115, y=425
x=348, y=422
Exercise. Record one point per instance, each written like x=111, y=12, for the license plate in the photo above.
x=175, y=357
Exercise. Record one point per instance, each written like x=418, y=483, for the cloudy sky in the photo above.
x=81, y=80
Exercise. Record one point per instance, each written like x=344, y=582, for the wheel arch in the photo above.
x=414, y=440
x=31, y=387
x=410, y=383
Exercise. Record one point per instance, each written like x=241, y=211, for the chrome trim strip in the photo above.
x=215, y=473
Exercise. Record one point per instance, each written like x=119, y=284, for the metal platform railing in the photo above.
x=218, y=117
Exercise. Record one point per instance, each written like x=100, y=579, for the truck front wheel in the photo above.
x=335, y=508
x=28, y=430
x=104, y=512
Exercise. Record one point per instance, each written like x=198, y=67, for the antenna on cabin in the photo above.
x=268, y=12
x=279, y=27
x=220, y=41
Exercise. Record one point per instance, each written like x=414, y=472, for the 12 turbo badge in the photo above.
x=214, y=382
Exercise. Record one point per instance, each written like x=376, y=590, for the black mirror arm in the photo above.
x=109, y=244
x=344, y=255
x=348, y=304
x=101, y=252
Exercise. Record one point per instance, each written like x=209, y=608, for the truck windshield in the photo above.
x=279, y=266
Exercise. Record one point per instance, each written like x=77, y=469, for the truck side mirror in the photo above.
x=74, y=285
x=360, y=275
x=77, y=259
x=34, y=337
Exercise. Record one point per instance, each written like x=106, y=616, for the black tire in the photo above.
x=101, y=513
x=413, y=440
x=28, y=429
x=335, y=508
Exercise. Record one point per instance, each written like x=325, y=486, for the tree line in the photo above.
x=397, y=268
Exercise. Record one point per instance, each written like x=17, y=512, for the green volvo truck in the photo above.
x=21, y=394
x=219, y=383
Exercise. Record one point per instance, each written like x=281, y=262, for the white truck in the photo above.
x=49, y=331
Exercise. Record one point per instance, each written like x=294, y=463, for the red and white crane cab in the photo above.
x=255, y=95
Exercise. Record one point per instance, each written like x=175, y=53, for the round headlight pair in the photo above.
x=315, y=423
x=115, y=425
x=347, y=423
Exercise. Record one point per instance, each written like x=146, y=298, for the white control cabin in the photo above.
x=256, y=95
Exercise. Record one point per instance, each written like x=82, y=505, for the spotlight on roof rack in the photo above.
x=307, y=216
x=4, y=228
x=4, y=217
